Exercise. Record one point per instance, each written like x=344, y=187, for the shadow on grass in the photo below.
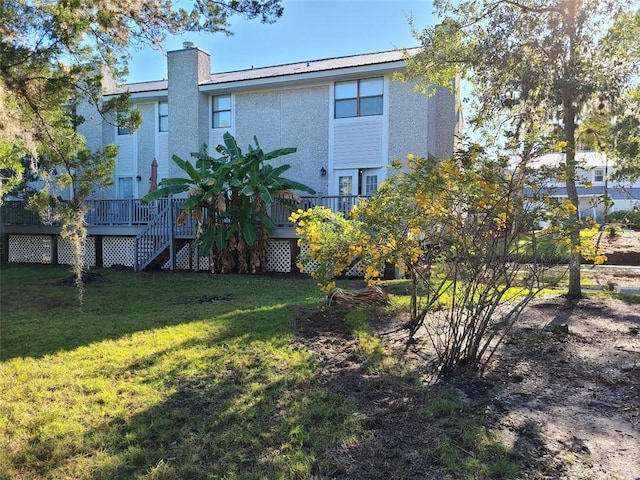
x=40, y=317
x=239, y=402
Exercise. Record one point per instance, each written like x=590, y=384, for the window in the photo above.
x=598, y=175
x=370, y=185
x=221, y=111
x=122, y=130
x=345, y=185
x=163, y=117
x=125, y=187
x=358, y=98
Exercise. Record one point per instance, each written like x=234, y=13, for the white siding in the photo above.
x=358, y=143
x=127, y=155
x=163, y=154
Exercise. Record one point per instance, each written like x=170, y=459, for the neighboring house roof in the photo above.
x=615, y=193
x=586, y=160
x=287, y=70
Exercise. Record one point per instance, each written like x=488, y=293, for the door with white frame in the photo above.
x=345, y=187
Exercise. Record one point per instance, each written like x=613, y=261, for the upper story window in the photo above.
x=163, y=117
x=358, y=98
x=598, y=175
x=221, y=111
x=122, y=130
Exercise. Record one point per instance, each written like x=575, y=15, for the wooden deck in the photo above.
x=130, y=217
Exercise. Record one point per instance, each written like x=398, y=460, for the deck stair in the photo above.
x=157, y=238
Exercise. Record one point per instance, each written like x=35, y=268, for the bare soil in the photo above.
x=622, y=248
x=562, y=393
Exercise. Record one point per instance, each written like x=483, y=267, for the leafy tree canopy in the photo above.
x=49, y=57
x=537, y=70
x=58, y=54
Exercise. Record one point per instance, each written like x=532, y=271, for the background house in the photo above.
x=346, y=116
x=594, y=182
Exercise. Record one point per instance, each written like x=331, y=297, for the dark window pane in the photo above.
x=345, y=185
x=371, y=106
x=346, y=108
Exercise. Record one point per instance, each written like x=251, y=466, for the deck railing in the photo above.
x=134, y=212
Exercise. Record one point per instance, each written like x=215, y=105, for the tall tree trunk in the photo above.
x=570, y=114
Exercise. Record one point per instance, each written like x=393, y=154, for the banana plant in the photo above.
x=229, y=197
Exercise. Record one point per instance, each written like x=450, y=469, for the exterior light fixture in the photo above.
x=139, y=177
x=323, y=172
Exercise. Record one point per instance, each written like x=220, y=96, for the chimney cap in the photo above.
x=188, y=45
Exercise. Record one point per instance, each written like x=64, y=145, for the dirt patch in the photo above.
x=565, y=401
x=622, y=248
x=88, y=278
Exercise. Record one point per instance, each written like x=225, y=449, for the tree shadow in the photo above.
x=40, y=317
x=565, y=392
x=240, y=403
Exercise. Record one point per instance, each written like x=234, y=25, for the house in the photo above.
x=346, y=116
x=593, y=184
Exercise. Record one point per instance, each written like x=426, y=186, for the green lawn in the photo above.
x=160, y=375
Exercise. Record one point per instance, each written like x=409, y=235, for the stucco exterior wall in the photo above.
x=444, y=123
x=408, y=121
x=188, y=108
x=297, y=117
x=92, y=119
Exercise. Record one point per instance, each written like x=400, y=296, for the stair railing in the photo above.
x=156, y=237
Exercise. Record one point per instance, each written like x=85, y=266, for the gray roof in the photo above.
x=311, y=66
x=585, y=159
x=305, y=67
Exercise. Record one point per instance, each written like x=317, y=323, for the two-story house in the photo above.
x=346, y=116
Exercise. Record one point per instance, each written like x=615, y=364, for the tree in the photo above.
x=463, y=234
x=230, y=198
x=536, y=69
x=53, y=56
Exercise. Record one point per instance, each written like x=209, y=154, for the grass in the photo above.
x=146, y=381
x=466, y=448
x=181, y=375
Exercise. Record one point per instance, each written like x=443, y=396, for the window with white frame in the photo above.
x=123, y=130
x=598, y=175
x=345, y=185
x=125, y=187
x=370, y=184
x=358, y=98
x=163, y=117
x=221, y=111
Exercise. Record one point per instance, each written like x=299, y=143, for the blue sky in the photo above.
x=308, y=30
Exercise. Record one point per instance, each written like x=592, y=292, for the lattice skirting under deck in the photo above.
x=119, y=250
x=65, y=252
x=31, y=248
